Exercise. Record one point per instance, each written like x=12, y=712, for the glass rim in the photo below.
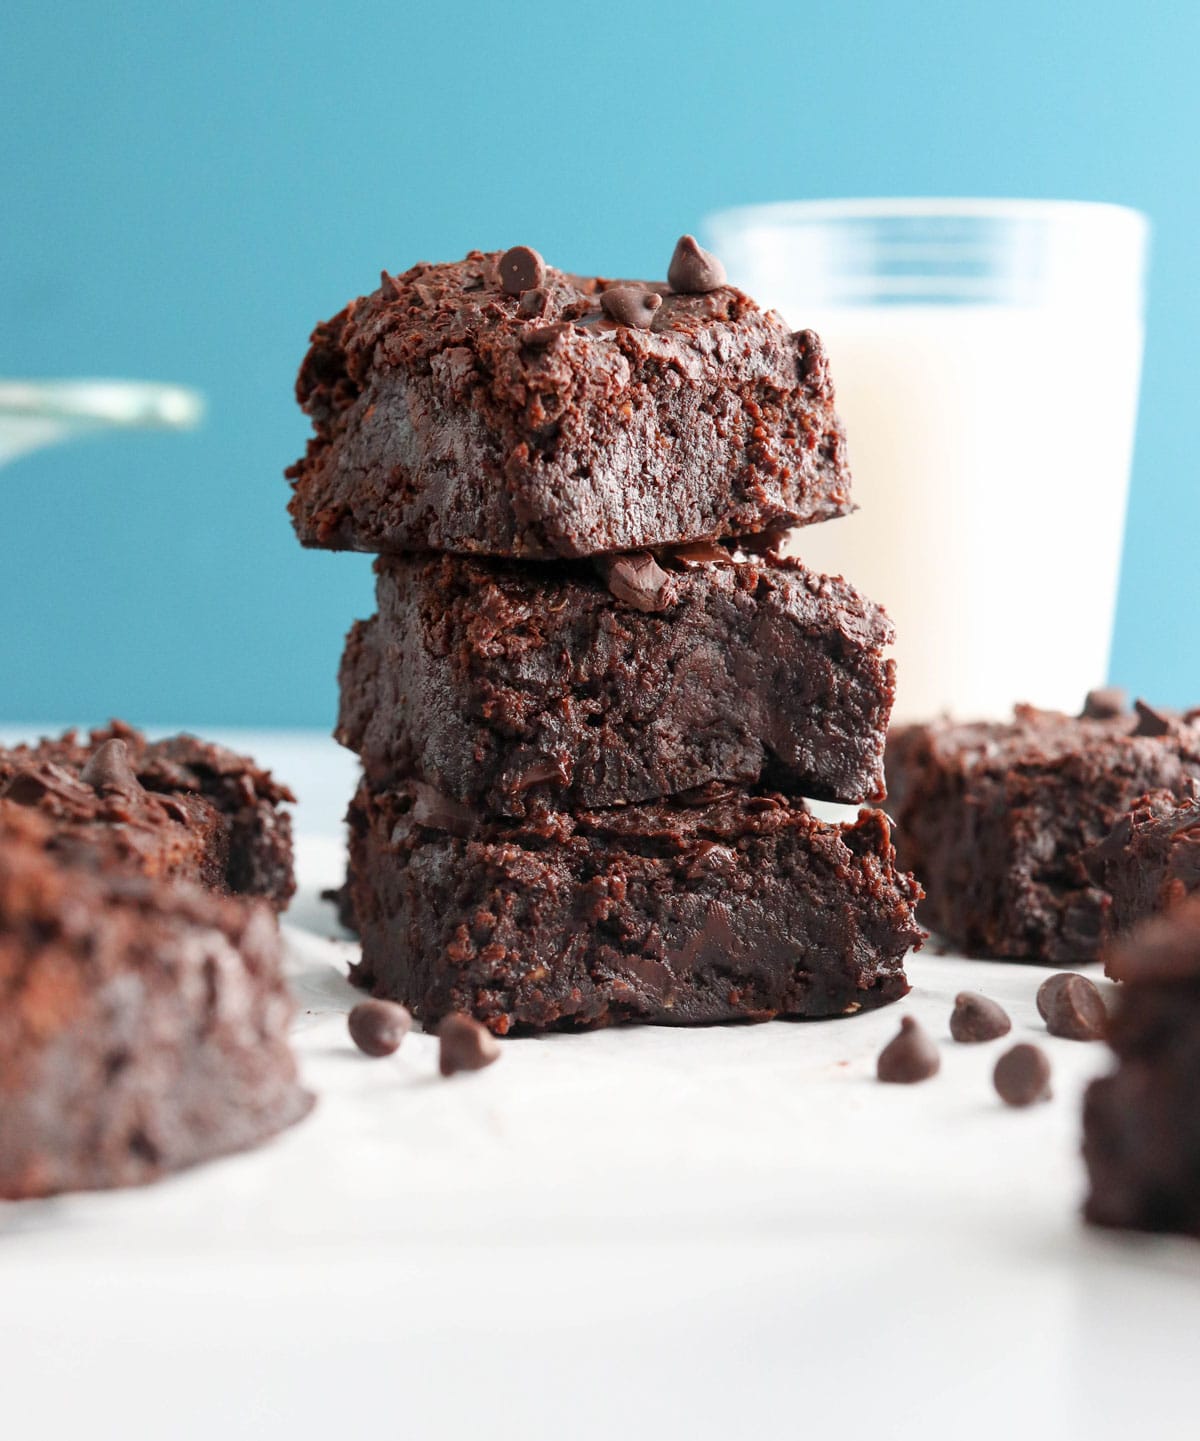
x=789, y=212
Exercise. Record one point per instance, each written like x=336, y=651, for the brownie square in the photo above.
x=143, y=1023
x=997, y=819
x=735, y=907
x=1141, y=1125
x=179, y=808
x=509, y=686
x=1151, y=859
x=450, y=415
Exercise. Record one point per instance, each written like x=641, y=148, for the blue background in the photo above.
x=188, y=188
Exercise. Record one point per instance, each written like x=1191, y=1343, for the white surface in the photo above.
x=647, y=1232
x=990, y=443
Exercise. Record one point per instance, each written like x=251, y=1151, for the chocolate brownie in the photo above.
x=173, y=808
x=143, y=1023
x=511, y=686
x=576, y=417
x=1141, y=1125
x=1151, y=858
x=996, y=819
x=735, y=906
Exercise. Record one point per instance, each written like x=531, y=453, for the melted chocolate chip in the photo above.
x=1022, y=1076
x=109, y=769
x=1072, y=1007
x=696, y=556
x=1105, y=703
x=638, y=580
x=521, y=269
x=465, y=1045
x=630, y=305
x=546, y=335
x=440, y=812
x=378, y=1027
x=978, y=1018
x=910, y=1056
x=1151, y=722
x=694, y=271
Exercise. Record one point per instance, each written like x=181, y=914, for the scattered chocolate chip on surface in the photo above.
x=1072, y=1008
x=109, y=769
x=909, y=1056
x=378, y=1027
x=694, y=271
x=521, y=269
x=1105, y=703
x=978, y=1018
x=631, y=305
x=1022, y=1076
x=465, y=1045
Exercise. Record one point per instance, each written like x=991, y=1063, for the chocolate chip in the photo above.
x=440, y=812
x=1105, y=703
x=977, y=1018
x=545, y=335
x=388, y=287
x=631, y=305
x=465, y=1045
x=378, y=1027
x=108, y=769
x=1022, y=1076
x=537, y=772
x=698, y=555
x=1072, y=1007
x=1151, y=722
x=694, y=271
x=638, y=580
x=521, y=269
x=910, y=1056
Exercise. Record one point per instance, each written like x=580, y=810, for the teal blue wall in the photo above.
x=186, y=188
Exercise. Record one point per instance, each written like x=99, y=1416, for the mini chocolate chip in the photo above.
x=978, y=1018
x=1151, y=722
x=1022, y=1076
x=638, y=580
x=378, y=1027
x=909, y=1056
x=521, y=269
x=1105, y=703
x=1072, y=1007
x=533, y=302
x=108, y=768
x=630, y=305
x=465, y=1045
x=388, y=287
x=694, y=271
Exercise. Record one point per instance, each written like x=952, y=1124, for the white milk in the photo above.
x=990, y=447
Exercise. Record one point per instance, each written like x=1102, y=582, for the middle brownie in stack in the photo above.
x=582, y=777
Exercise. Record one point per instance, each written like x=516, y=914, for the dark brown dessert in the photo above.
x=510, y=687
x=996, y=820
x=1141, y=1125
x=178, y=808
x=736, y=906
x=143, y=1023
x=499, y=406
x=1151, y=859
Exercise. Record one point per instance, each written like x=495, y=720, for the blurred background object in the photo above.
x=35, y=414
x=188, y=189
x=986, y=355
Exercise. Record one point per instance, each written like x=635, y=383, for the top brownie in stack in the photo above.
x=499, y=406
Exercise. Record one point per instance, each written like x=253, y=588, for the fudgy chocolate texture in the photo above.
x=179, y=808
x=737, y=907
x=510, y=686
x=1141, y=1125
x=143, y=1023
x=1151, y=859
x=996, y=820
x=450, y=415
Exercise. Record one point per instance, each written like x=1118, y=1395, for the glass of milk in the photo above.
x=986, y=356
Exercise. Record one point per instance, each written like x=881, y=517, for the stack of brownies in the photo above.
x=594, y=694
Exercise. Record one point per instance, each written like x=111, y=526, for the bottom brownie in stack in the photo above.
x=722, y=905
